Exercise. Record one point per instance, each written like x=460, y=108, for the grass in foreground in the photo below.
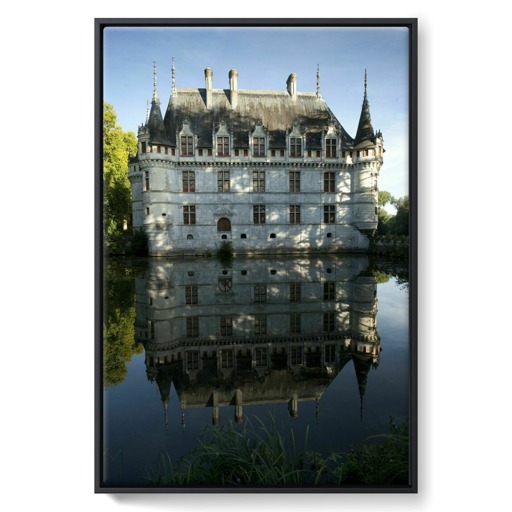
x=259, y=456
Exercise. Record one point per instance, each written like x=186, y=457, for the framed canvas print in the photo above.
x=256, y=263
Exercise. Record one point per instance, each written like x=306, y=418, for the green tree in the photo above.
x=400, y=223
x=389, y=224
x=118, y=147
x=384, y=217
x=119, y=343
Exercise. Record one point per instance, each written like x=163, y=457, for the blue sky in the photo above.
x=264, y=57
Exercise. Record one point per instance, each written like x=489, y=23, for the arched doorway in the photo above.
x=224, y=224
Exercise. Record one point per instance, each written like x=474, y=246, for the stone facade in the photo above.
x=268, y=171
x=259, y=331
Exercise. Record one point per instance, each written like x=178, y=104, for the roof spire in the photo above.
x=365, y=131
x=155, y=94
x=147, y=111
x=318, y=95
x=173, y=78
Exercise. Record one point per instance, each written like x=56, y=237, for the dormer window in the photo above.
x=187, y=145
x=295, y=147
x=258, y=145
x=330, y=148
x=222, y=146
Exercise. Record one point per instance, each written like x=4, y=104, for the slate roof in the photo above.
x=365, y=135
x=275, y=110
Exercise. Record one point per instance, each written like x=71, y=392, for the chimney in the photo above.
x=233, y=88
x=291, y=85
x=208, y=78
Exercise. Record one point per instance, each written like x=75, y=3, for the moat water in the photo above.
x=319, y=346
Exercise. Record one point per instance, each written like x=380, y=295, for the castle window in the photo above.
x=294, y=214
x=294, y=292
x=258, y=213
x=223, y=181
x=260, y=324
x=294, y=181
x=147, y=210
x=258, y=181
x=329, y=290
x=330, y=354
x=143, y=149
x=296, y=356
x=272, y=235
x=295, y=146
x=146, y=180
x=190, y=237
x=330, y=147
x=260, y=293
x=189, y=181
x=200, y=152
x=258, y=146
x=210, y=152
x=222, y=146
x=158, y=149
x=329, y=182
x=329, y=214
x=189, y=214
x=173, y=151
x=191, y=294
x=227, y=359
x=273, y=152
x=226, y=325
x=187, y=145
x=243, y=235
x=328, y=323
x=192, y=326
x=224, y=237
x=295, y=323
x=192, y=360
x=261, y=356
x=237, y=152
x=329, y=235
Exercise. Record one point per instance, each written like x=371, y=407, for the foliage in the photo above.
x=119, y=344
x=397, y=224
x=139, y=243
x=383, y=461
x=118, y=146
x=258, y=456
x=225, y=252
x=380, y=276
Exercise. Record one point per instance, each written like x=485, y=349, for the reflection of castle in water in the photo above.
x=257, y=332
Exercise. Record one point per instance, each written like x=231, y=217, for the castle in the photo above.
x=268, y=171
x=262, y=331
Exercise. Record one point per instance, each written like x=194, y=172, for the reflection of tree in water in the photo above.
x=383, y=270
x=119, y=343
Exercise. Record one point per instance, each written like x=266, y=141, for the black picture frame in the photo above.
x=412, y=25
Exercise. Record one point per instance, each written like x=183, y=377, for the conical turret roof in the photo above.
x=365, y=134
x=155, y=123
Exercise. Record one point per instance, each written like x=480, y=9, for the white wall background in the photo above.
x=48, y=256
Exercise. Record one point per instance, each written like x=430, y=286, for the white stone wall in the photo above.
x=159, y=209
